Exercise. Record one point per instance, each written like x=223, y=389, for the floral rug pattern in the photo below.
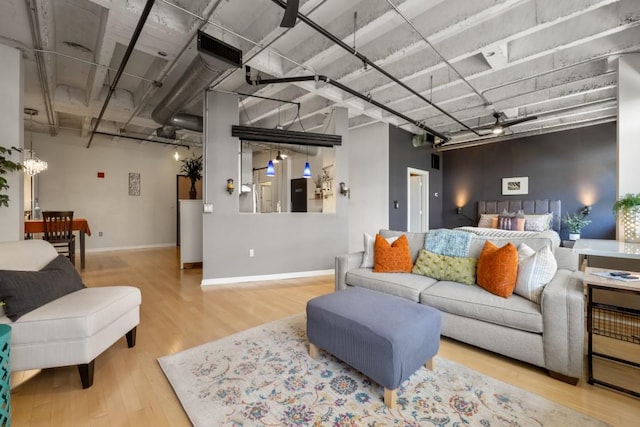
x=265, y=377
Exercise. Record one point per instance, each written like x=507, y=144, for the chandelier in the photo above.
x=32, y=165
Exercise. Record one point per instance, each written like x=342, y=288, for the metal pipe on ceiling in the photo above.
x=32, y=14
x=372, y=64
x=345, y=89
x=123, y=63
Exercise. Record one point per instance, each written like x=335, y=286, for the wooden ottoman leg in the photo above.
x=429, y=364
x=390, y=397
x=314, y=351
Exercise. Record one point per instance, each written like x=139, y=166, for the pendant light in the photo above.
x=307, y=169
x=271, y=171
x=32, y=165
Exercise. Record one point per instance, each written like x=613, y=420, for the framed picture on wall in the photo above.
x=515, y=185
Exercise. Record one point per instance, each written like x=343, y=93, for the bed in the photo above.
x=530, y=207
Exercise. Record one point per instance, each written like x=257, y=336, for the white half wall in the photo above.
x=369, y=182
x=11, y=218
x=71, y=183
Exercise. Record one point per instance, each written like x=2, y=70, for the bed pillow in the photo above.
x=367, y=257
x=392, y=258
x=443, y=267
x=498, y=269
x=537, y=222
x=486, y=220
x=24, y=291
x=535, y=270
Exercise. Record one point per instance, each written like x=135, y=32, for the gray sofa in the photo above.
x=549, y=334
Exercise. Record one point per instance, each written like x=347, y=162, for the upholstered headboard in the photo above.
x=528, y=206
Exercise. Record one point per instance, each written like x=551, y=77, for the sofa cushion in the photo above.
x=473, y=302
x=405, y=285
x=23, y=291
x=367, y=257
x=442, y=267
x=535, y=270
x=416, y=240
x=391, y=258
x=77, y=316
x=26, y=255
x=498, y=269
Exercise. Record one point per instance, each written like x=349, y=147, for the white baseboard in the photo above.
x=265, y=277
x=128, y=248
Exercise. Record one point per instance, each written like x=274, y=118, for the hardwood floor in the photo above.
x=130, y=389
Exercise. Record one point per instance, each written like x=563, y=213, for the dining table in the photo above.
x=81, y=225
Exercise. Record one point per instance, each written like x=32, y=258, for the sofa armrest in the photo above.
x=563, y=323
x=344, y=263
x=566, y=259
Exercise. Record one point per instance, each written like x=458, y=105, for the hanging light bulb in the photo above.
x=32, y=165
x=176, y=155
x=271, y=171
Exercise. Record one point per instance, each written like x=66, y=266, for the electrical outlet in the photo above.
x=100, y=234
x=251, y=253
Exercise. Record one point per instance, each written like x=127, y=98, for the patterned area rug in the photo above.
x=265, y=377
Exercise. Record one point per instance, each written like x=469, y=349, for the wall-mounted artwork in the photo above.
x=134, y=184
x=516, y=185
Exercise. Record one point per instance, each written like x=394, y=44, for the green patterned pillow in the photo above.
x=442, y=267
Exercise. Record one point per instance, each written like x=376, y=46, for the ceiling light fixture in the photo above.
x=279, y=157
x=497, y=128
x=307, y=169
x=176, y=155
x=271, y=171
x=32, y=165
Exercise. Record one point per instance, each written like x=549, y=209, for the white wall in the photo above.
x=11, y=218
x=369, y=182
x=628, y=126
x=71, y=183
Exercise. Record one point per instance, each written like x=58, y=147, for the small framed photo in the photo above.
x=515, y=185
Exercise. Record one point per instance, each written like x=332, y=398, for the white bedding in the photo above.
x=514, y=234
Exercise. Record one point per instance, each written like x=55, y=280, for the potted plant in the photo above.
x=575, y=223
x=629, y=207
x=6, y=166
x=192, y=168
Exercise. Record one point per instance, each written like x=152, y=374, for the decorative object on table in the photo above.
x=192, y=168
x=5, y=375
x=6, y=166
x=575, y=223
x=629, y=207
x=515, y=185
x=264, y=376
x=230, y=186
x=318, y=190
x=32, y=164
x=134, y=184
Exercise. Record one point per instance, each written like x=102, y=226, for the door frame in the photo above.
x=424, y=181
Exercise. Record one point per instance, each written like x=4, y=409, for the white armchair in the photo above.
x=73, y=329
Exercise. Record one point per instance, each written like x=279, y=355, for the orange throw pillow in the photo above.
x=392, y=258
x=498, y=269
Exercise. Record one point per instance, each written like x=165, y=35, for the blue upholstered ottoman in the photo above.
x=385, y=337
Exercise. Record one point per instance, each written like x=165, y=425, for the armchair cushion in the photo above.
x=24, y=291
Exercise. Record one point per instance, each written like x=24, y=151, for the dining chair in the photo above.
x=58, y=230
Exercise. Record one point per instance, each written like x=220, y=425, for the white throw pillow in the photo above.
x=369, y=240
x=535, y=270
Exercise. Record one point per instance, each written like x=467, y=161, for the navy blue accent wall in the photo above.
x=576, y=166
x=403, y=155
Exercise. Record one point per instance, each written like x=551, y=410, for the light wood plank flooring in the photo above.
x=131, y=390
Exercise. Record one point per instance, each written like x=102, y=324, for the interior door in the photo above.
x=299, y=195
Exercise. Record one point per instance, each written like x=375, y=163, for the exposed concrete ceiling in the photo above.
x=554, y=59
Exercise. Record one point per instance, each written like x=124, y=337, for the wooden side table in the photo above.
x=612, y=321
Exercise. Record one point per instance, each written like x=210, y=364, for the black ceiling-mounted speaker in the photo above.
x=290, y=14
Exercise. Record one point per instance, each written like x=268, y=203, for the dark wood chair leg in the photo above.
x=131, y=337
x=564, y=378
x=86, y=373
